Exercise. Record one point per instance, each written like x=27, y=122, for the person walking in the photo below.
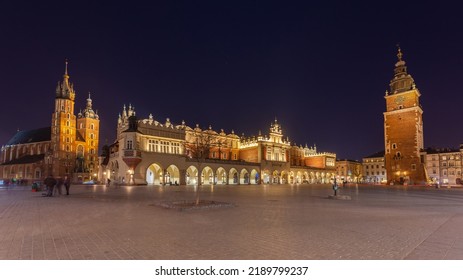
x=67, y=184
x=59, y=186
x=50, y=182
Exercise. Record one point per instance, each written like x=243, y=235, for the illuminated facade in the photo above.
x=348, y=171
x=403, y=129
x=68, y=147
x=147, y=151
x=374, y=170
x=445, y=166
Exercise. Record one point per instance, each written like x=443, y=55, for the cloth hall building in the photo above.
x=151, y=152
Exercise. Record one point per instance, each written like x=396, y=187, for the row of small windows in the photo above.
x=276, y=154
x=372, y=166
x=446, y=157
x=373, y=173
x=445, y=173
x=166, y=147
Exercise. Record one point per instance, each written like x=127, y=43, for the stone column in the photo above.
x=182, y=179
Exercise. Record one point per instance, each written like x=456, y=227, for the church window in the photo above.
x=67, y=123
x=67, y=148
x=91, y=136
x=444, y=164
x=92, y=126
x=92, y=151
x=129, y=144
x=68, y=115
x=234, y=156
x=413, y=166
x=394, y=146
x=444, y=172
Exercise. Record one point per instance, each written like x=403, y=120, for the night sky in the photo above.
x=320, y=67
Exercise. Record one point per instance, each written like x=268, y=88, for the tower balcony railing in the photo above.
x=132, y=153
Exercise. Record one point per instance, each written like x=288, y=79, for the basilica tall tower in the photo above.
x=74, y=139
x=403, y=128
x=63, y=129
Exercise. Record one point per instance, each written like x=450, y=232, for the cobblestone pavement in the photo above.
x=268, y=222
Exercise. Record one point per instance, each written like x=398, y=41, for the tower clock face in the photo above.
x=399, y=99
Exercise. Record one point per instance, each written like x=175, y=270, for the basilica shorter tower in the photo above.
x=403, y=128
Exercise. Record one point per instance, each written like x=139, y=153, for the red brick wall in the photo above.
x=316, y=161
x=249, y=155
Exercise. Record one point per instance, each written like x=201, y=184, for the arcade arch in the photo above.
x=154, y=174
x=191, y=175
x=233, y=177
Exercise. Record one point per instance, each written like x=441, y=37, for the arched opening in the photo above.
x=233, y=177
x=172, y=175
x=154, y=174
x=266, y=177
x=191, y=176
x=221, y=176
x=291, y=178
x=244, y=176
x=207, y=176
x=305, y=178
x=276, y=177
x=254, y=177
x=284, y=177
x=298, y=177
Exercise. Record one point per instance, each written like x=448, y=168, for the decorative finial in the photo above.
x=66, y=67
x=399, y=53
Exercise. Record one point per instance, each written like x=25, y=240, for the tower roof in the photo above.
x=88, y=111
x=65, y=89
x=402, y=81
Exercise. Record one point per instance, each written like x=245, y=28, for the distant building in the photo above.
x=349, y=170
x=403, y=129
x=445, y=166
x=68, y=147
x=147, y=151
x=374, y=170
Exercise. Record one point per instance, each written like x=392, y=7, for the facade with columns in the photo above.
x=68, y=147
x=151, y=152
x=403, y=129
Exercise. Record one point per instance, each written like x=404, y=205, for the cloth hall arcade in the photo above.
x=147, y=151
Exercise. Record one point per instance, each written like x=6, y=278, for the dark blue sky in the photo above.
x=320, y=67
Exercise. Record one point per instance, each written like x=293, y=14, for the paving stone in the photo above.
x=268, y=222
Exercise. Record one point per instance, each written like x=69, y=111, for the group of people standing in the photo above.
x=52, y=182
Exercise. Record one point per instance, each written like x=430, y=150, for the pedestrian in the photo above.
x=59, y=186
x=109, y=182
x=67, y=184
x=50, y=182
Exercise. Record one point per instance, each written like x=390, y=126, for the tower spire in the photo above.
x=399, y=53
x=66, y=75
